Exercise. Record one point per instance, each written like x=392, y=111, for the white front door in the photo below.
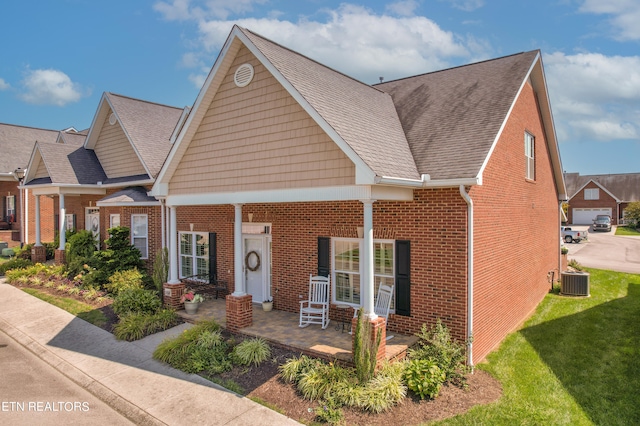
x=92, y=223
x=257, y=266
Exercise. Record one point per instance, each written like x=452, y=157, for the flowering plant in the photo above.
x=191, y=296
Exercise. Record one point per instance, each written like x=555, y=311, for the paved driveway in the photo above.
x=605, y=250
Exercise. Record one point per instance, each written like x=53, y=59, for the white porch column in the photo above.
x=173, y=247
x=367, y=284
x=240, y=289
x=163, y=227
x=63, y=223
x=26, y=216
x=38, y=240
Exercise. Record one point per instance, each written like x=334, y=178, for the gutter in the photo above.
x=469, y=202
x=425, y=181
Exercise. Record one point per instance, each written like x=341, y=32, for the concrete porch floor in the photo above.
x=280, y=327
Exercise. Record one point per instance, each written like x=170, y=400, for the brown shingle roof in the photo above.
x=16, y=145
x=624, y=186
x=364, y=117
x=149, y=125
x=70, y=164
x=452, y=117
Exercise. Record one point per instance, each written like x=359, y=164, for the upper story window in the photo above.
x=529, y=153
x=592, y=194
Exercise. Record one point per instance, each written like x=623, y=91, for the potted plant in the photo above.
x=267, y=305
x=191, y=301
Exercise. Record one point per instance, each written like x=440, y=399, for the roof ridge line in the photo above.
x=143, y=100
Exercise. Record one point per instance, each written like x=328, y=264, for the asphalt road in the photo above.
x=605, y=250
x=34, y=393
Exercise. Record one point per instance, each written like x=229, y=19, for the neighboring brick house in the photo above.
x=102, y=181
x=286, y=168
x=591, y=195
x=16, y=146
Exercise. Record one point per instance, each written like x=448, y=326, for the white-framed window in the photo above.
x=114, y=220
x=529, y=153
x=140, y=234
x=194, y=254
x=592, y=194
x=347, y=268
x=70, y=222
x=10, y=209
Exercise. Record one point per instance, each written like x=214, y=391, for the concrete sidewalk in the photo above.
x=123, y=374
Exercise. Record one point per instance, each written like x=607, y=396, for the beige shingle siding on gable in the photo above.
x=41, y=171
x=258, y=138
x=115, y=152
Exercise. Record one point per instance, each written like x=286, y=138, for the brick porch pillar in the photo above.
x=171, y=294
x=239, y=312
x=38, y=254
x=60, y=257
x=377, y=324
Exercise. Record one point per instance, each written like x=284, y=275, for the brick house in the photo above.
x=102, y=180
x=286, y=168
x=591, y=195
x=16, y=206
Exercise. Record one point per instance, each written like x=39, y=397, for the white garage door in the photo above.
x=586, y=216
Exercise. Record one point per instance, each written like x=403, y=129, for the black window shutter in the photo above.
x=324, y=263
x=213, y=258
x=403, y=278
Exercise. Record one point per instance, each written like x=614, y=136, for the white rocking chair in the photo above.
x=316, y=309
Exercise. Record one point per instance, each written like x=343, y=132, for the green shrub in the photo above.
x=575, y=265
x=293, y=369
x=437, y=345
x=14, y=264
x=24, y=252
x=123, y=280
x=424, y=378
x=136, y=300
x=135, y=326
x=161, y=269
x=365, y=351
x=200, y=348
x=329, y=411
x=252, y=351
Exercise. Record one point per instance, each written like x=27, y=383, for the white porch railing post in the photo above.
x=38, y=239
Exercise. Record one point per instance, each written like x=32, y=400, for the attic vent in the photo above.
x=243, y=75
x=112, y=119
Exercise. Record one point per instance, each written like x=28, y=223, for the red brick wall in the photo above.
x=10, y=236
x=47, y=222
x=516, y=231
x=435, y=223
x=605, y=201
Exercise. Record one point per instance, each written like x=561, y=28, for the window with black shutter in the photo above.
x=403, y=278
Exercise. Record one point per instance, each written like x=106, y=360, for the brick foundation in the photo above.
x=171, y=294
x=377, y=324
x=239, y=312
x=38, y=254
x=60, y=257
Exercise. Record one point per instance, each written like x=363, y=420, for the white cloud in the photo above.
x=398, y=48
x=625, y=16
x=50, y=87
x=402, y=8
x=466, y=5
x=594, y=96
x=182, y=10
x=3, y=84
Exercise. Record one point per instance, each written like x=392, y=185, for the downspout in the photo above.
x=560, y=239
x=469, y=202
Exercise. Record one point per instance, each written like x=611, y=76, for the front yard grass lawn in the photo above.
x=81, y=310
x=576, y=361
x=625, y=230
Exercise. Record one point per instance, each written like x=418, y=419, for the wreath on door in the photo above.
x=248, y=260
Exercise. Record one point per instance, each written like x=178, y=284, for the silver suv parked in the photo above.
x=602, y=223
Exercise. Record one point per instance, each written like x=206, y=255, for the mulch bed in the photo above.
x=263, y=384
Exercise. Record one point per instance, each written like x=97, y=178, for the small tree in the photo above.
x=632, y=214
x=365, y=351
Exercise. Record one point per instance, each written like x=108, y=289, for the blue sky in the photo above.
x=57, y=57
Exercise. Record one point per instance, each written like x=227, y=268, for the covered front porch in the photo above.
x=281, y=328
